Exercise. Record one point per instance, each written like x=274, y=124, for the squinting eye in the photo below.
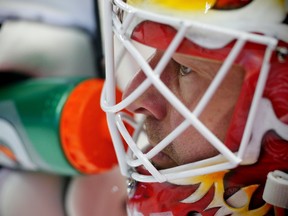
x=184, y=70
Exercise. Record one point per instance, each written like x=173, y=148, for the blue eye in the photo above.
x=184, y=70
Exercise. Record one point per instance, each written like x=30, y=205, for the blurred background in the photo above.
x=51, y=74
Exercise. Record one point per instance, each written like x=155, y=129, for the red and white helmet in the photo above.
x=251, y=34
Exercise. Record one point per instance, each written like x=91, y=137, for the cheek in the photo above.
x=191, y=88
x=191, y=146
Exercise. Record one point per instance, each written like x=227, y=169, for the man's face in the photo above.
x=188, y=78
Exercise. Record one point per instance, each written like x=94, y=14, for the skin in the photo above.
x=162, y=117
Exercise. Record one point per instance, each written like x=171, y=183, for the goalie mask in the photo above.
x=207, y=83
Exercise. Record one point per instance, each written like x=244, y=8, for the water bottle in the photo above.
x=55, y=125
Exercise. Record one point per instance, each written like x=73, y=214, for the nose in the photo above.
x=150, y=103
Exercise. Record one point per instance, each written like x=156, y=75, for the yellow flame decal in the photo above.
x=184, y=5
x=243, y=196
